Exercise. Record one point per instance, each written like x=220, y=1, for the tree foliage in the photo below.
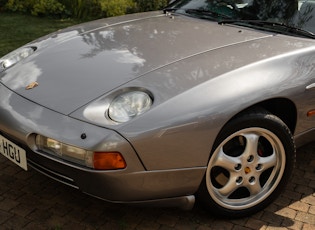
x=148, y=5
x=48, y=7
x=116, y=7
x=83, y=9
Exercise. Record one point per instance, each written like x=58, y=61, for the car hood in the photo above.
x=75, y=66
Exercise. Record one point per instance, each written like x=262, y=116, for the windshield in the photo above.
x=293, y=14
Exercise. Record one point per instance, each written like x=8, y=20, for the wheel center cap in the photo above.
x=247, y=170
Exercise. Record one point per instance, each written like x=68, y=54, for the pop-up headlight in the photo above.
x=15, y=56
x=129, y=105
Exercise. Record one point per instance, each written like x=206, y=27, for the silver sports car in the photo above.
x=207, y=99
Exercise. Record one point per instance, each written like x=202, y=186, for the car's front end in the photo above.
x=97, y=161
x=132, y=109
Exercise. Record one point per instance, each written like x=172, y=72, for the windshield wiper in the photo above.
x=170, y=10
x=203, y=12
x=272, y=26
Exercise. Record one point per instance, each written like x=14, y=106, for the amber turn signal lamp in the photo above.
x=311, y=113
x=109, y=161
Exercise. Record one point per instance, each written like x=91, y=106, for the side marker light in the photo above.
x=311, y=113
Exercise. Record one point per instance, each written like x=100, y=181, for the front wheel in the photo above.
x=251, y=162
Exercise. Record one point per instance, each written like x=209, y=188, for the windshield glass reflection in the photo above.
x=295, y=13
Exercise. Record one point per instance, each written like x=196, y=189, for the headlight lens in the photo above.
x=129, y=105
x=15, y=56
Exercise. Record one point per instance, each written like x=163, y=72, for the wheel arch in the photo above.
x=283, y=108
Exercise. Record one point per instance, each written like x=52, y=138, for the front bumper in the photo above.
x=21, y=119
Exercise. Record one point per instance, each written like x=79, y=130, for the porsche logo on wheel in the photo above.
x=32, y=85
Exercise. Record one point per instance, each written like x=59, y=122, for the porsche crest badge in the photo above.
x=32, y=85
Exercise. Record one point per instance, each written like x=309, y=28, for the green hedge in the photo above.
x=82, y=9
x=149, y=5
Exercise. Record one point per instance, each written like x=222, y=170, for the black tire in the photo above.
x=251, y=162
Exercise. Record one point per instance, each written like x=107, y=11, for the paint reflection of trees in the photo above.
x=99, y=41
x=138, y=42
x=116, y=43
x=124, y=38
x=122, y=44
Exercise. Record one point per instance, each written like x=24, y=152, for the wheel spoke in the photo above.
x=225, y=161
x=229, y=187
x=251, y=144
x=254, y=188
x=268, y=162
